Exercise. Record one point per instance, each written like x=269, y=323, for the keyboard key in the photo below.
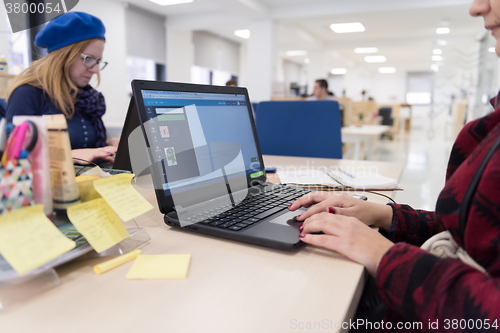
x=235, y=228
x=269, y=212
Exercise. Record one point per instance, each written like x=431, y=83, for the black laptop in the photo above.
x=206, y=163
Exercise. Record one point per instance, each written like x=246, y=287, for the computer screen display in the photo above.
x=195, y=135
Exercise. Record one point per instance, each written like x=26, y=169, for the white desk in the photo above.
x=231, y=287
x=359, y=134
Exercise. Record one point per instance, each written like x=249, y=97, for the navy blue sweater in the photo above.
x=30, y=101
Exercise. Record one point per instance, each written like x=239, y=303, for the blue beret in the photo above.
x=68, y=29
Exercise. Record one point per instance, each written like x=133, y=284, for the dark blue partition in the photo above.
x=3, y=107
x=300, y=128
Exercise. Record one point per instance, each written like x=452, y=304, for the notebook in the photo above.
x=338, y=178
x=206, y=163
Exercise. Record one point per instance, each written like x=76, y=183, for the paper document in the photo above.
x=160, y=266
x=364, y=179
x=28, y=239
x=306, y=177
x=121, y=196
x=98, y=223
x=337, y=178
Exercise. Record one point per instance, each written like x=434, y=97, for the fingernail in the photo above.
x=296, y=217
x=301, y=228
x=290, y=205
x=302, y=235
x=331, y=210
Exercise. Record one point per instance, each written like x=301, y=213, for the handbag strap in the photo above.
x=465, y=206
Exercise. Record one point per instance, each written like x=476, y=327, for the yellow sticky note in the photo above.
x=28, y=239
x=160, y=266
x=86, y=187
x=98, y=223
x=121, y=196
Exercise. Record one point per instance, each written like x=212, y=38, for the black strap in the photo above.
x=465, y=206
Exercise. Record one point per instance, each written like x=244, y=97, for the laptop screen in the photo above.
x=193, y=135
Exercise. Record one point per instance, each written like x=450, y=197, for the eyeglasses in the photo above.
x=90, y=62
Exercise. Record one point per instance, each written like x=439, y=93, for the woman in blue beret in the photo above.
x=59, y=83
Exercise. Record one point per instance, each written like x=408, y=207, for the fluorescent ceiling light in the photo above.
x=437, y=58
x=170, y=2
x=442, y=42
x=245, y=33
x=437, y=51
x=342, y=28
x=338, y=71
x=307, y=60
x=443, y=31
x=375, y=59
x=435, y=68
x=387, y=70
x=295, y=53
x=491, y=49
x=365, y=50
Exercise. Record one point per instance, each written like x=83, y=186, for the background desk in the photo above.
x=357, y=135
x=231, y=287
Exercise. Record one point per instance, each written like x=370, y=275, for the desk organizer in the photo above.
x=15, y=288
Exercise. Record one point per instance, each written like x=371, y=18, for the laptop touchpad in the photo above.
x=287, y=219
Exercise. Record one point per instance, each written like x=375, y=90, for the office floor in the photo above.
x=425, y=157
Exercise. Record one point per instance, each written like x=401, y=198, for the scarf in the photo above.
x=90, y=102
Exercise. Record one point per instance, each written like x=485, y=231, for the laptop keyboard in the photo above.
x=251, y=210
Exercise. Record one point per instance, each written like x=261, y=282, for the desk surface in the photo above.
x=368, y=130
x=231, y=287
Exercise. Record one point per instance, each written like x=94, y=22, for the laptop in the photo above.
x=206, y=163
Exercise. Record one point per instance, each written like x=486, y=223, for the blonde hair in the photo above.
x=51, y=74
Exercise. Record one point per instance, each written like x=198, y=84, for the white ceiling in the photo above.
x=403, y=30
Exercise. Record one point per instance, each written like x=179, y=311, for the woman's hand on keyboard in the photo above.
x=348, y=236
x=372, y=214
x=84, y=156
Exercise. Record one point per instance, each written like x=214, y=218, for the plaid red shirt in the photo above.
x=419, y=287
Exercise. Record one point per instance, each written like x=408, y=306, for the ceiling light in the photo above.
x=437, y=51
x=375, y=59
x=387, y=70
x=491, y=49
x=245, y=33
x=437, y=58
x=338, y=71
x=366, y=50
x=170, y=2
x=435, y=68
x=442, y=42
x=307, y=60
x=443, y=31
x=341, y=28
x=295, y=53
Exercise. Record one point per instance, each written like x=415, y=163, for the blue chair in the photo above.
x=3, y=108
x=300, y=128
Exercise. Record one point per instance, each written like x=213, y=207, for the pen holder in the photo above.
x=16, y=185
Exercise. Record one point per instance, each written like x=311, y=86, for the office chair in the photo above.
x=386, y=114
x=300, y=128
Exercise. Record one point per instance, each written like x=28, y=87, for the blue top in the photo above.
x=27, y=100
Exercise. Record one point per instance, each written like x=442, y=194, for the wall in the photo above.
x=291, y=73
x=384, y=88
x=114, y=79
x=4, y=32
x=214, y=52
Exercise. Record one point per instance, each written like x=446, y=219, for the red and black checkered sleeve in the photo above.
x=412, y=226
x=422, y=287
